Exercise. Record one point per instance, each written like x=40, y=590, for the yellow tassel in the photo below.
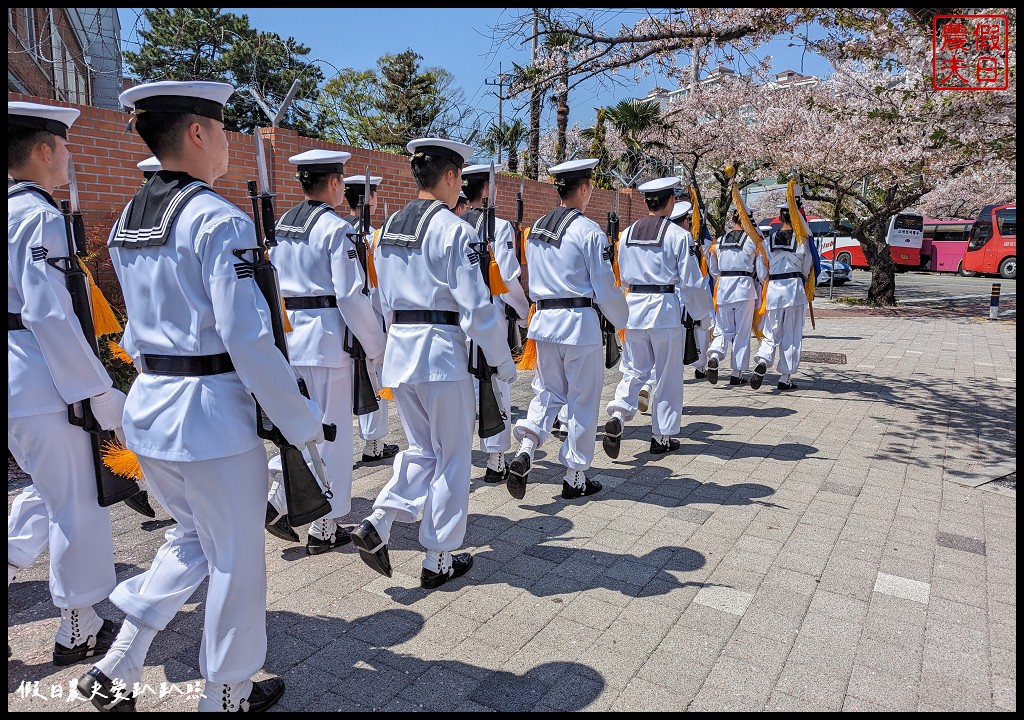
x=121, y=460
x=622, y=335
x=118, y=352
x=751, y=230
x=284, y=317
x=371, y=267
x=528, y=360
x=498, y=286
x=615, y=262
x=801, y=231
x=104, y=320
x=385, y=394
x=522, y=241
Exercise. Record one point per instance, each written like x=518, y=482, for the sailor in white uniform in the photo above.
x=149, y=167
x=373, y=426
x=732, y=261
x=51, y=365
x=789, y=265
x=512, y=305
x=571, y=278
x=434, y=297
x=323, y=285
x=661, y=275
x=199, y=331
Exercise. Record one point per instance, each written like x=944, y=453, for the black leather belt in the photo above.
x=311, y=302
x=652, y=288
x=14, y=322
x=738, y=273
x=564, y=303
x=187, y=365
x=786, y=276
x=425, y=317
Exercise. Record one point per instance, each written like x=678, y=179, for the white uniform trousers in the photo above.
x=432, y=475
x=571, y=376
x=502, y=442
x=220, y=506
x=656, y=357
x=784, y=330
x=59, y=509
x=732, y=325
x=331, y=389
x=374, y=426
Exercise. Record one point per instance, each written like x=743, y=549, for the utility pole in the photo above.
x=535, y=103
x=500, y=82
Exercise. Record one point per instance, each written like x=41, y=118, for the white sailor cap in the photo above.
x=682, y=208
x=198, y=97
x=321, y=161
x=452, y=150
x=471, y=170
x=659, y=186
x=149, y=165
x=35, y=116
x=463, y=196
x=361, y=181
x=782, y=206
x=574, y=169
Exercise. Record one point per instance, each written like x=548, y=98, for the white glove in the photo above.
x=108, y=408
x=506, y=372
x=376, y=361
x=318, y=436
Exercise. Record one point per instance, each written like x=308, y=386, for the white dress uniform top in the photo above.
x=789, y=265
x=434, y=300
x=373, y=426
x=50, y=365
x=659, y=270
x=569, y=257
x=732, y=261
x=322, y=284
x=503, y=250
x=194, y=308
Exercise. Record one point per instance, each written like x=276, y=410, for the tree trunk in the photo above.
x=882, y=290
x=533, y=168
x=562, y=118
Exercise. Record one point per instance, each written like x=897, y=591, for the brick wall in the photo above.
x=105, y=157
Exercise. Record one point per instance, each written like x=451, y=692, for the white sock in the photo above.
x=382, y=519
x=496, y=461
x=225, y=697
x=662, y=439
x=127, y=656
x=373, y=447
x=575, y=478
x=528, y=446
x=11, y=571
x=76, y=625
x=784, y=379
x=324, y=528
x=620, y=416
x=439, y=561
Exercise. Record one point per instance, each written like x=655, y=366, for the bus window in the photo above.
x=944, y=244
x=904, y=238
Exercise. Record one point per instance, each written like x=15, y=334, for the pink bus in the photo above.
x=945, y=241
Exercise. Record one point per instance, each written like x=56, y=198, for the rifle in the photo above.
x=364, y=397
x=524, y=278
x=492, y=417
x=110, y=487
x=306, y=494
x=609, y=336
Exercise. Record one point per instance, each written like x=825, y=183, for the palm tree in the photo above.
x=561, y=45
x=508, y=137
x=636, y=122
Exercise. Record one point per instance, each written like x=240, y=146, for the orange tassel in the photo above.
x=622, y=335
x=121, y=460
x=104, y=320
x=371, y=267
x=385, y=394
x=118, y=352
x=497, y=283
x=284, y=316
x=522, y=241
x=615, y=263
x=528, y=360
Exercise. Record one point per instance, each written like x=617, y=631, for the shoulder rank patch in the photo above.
x=607, y=253
x=39, y=254
x=474, y=257
x=693, y=250
x=510, y=244
x=352, y=254
x=243, y=270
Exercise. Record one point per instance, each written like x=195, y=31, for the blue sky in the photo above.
x=462, y=42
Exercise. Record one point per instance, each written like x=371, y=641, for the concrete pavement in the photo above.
x=847, y=546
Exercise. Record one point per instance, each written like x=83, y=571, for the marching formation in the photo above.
x=247, y=330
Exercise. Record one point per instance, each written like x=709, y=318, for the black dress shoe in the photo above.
x=733, y=380
x=699, y=374
x=99, y=690
x=518, y=472
x=264, y=695
x=495, y=476
x=316, y=546
x=589, y=488
x=660, y=449
x=388, y=452
x=372, y=549
x=94, y=645
x=712, y=371
x=612, y=439
x=139, y=502
x=759, y=370
x=788, y=386
x=461, y=563
x=279, y=528
x=558, y=431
